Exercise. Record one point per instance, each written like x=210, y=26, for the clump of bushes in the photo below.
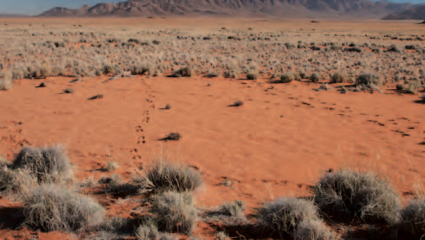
x=413, y=87
x=166, y=177
x=52, y=207
x=186, y=71
x=174, y=212
x=140, y=69
x=252, y=75
x=288, y=77
x=347, y=195
x=368, y=79
x=315, y=77
x=338, y=77
x=231, y=74
x=5, y=82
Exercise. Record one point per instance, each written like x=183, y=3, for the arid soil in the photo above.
x=278, y=143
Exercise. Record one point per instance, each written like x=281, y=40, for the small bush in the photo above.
x=399, y=87
x=183, y=72
x=231, y=213
x=53, y=207
x=49, y=164
x=315, y=77
x=252, y=75
x=44, y=71
x=166, y=176
x=147, y=232
x=140, y=69
x=68, y=90
x=111, y=166
x=175, y=212
x=287, y=77
x=349, y=195
x=5, y=84
x=233, y=209
x=338, y=77
x=314, y=229
x=302, y=73
x=285, y=214
x=12, y=181
x=237, y=103
x=231, y=74
x=413, y=87
x=368, y=79
x=413, y=218
x=222, y=236
x=7, y=180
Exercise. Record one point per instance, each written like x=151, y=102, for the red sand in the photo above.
x=278, y=143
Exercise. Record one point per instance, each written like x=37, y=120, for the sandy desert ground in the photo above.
x=278, y=143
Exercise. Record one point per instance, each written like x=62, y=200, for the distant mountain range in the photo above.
x=414, y=13
x=235, y=8
x=12, y=15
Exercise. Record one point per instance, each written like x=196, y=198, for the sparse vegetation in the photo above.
x=111, y=165
x=338, y=77
x=315, y=77
x=285, y=214
x=349, y=195
x=369, y=80
x=166, y=176
x=229, y=213
x=46, y=164
x=413, y=218
x=314, y=229
x=175, y=212
x=53, y=207
x=183, y=72
x=252, y=75
x=287, y=77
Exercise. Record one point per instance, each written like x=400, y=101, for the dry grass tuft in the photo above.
x=231, y=213
x=285, y=214
x=167, y=176
x=315, y=77
x=314, y=229
x=413, y=218
x=175, y=212
x=183, y=72
x=369, y=80
x=338, y=77
x=5, y=81
x=47, y=165
x=53, y=208
x=347, y=195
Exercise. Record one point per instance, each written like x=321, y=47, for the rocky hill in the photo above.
x=414, y=13
x=277, y=8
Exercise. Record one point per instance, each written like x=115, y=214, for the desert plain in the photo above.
x=263, y=108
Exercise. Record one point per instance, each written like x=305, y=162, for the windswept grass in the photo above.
x=47, y=164
x=349, y=195
x=166, y=176
x=285, y=214
x=52, y=207
x=413, y=219
x=175, y=212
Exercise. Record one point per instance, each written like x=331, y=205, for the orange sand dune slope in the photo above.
x=277, y=143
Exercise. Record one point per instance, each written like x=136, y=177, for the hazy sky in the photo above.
x=38, y=6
